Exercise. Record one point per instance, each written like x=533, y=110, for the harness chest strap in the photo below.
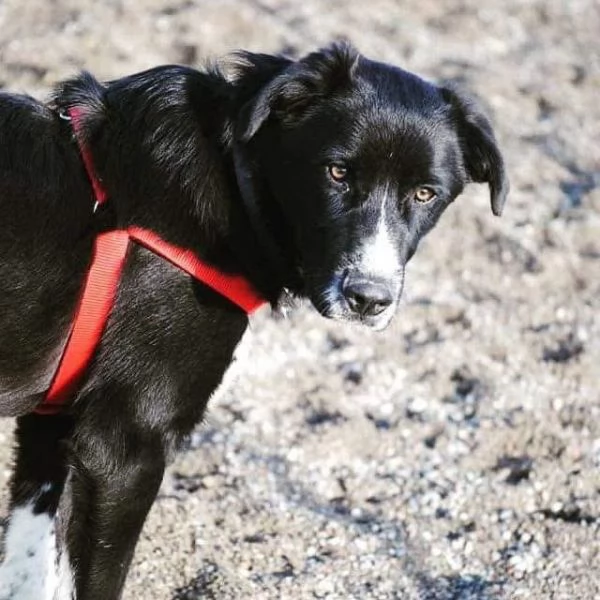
x=102, y=282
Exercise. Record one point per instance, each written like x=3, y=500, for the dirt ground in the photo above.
x=457, y=454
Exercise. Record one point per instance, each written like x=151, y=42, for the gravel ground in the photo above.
x=457, y=454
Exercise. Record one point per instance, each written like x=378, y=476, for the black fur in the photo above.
x=237, y=170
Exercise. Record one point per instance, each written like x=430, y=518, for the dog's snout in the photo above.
x=366, y=297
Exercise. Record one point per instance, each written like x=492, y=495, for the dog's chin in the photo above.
x=339, y=311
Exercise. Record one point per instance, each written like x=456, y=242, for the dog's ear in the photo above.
x=483, y=159
x=289, y=96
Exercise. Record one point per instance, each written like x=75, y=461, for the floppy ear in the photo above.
x=289, y=96
x=483, y=160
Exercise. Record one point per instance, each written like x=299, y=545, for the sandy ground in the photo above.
x=456, y=455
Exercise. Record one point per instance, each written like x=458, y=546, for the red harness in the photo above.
x=102, y=282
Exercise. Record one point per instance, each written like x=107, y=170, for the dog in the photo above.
x=314, y=178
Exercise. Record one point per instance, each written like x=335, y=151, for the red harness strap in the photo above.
x=102, y=283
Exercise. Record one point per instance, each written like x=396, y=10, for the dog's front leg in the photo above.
x=33, y=568
x=115, y=476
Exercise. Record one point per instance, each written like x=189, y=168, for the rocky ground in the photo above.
x=456, y=455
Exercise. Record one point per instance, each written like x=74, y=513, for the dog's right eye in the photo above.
x=337, y=172
x=424, y=195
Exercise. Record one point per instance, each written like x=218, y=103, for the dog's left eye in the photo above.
x=423, y=195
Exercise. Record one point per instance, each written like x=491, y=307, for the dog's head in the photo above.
x=361, y=159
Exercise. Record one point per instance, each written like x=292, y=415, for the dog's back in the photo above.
x=36, y=167
x=44, y=210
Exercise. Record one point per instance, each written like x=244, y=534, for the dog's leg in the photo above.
x=32, y=563
x=115, y=475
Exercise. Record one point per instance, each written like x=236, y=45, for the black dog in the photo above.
x=317, y=177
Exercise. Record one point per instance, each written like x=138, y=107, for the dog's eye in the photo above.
x=338, y=172
x=423, y=195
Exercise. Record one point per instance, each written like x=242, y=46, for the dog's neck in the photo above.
x=267, y=227
x=168, y=170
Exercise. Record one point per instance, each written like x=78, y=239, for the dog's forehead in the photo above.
x=388, y=111
x=392, y=84
x=383, y=137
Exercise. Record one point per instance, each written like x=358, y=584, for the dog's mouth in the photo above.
x=357, y=298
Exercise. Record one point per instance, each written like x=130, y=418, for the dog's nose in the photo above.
x=366, y=297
